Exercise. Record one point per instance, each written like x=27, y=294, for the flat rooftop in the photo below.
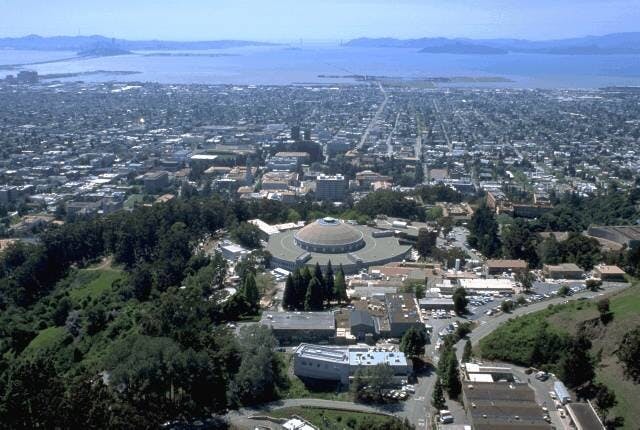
x=564, y=267
x=610, y=270
x=402, y=308
x=331, y=354
x=372, y=358
x=514, y=264
x=501, y=405
x=584, y=416
x=486, y=284
x=436, y=301
x=353, y=355
x=476, y=368
x=299, y=320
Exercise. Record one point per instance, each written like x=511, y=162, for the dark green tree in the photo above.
x=317, y=273
x=605, y=399
x=576, y=365
x=370, y=382
x=564, y=290
x=437, y=398
x=301, y=284
x=93, y=405
x=460, y=301
x=33, y=395
x=340, y=289
x=507, y=306
x=248, y=235
x=525, y=279
x=484, y=232
x=413, y=342
x=314, y=298
x=63, y=308
x=426, y=242
x=519, y=242
x=584, y=251
x=174, y=251
x=390, y=203
x=141, y=280
x=260, y=373
x=289, y=295
x=549, y=251
x=629, y=354
x=250, y=291
x=454, y=386
x=604, y=310
x=447, y=354
x=306, y=280
x=330, y=283
x=467, y=353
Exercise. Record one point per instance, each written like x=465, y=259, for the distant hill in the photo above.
x=86, y=43
x=464, y=48
x=609, y=44
x=103, y=51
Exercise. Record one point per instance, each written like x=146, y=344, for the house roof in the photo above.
x=360, y=317
x=512, y=264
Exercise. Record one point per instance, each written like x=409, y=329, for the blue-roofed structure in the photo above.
x=561, y=392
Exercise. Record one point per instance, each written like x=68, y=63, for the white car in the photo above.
x=446, y=417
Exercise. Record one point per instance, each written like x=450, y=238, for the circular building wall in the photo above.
x=329, y=236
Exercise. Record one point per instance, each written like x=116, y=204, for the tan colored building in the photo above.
x=610, y=273
x=498, y=267
x=563, y=271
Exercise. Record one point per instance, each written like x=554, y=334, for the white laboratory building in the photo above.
x=338, y=363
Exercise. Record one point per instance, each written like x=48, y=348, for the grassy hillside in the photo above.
x=337, y=419
x=90, y=283
x=48, y=340
x=515, y=340
x=86, y=289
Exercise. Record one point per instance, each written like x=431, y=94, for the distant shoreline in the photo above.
x=432, y=79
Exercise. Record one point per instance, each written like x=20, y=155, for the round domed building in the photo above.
x=328, y=239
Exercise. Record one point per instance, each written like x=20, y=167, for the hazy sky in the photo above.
x=317, y=19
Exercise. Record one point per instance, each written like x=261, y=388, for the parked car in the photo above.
x=446, y=417
x=542, y=376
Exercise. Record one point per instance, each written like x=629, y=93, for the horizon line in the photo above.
x=297, y=39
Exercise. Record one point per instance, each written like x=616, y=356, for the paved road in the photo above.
x=417, y=407
x=375, y=118
x=240, y=417
x=390, y=137
x=442, y=127
x=489, y=324
x=460, y=235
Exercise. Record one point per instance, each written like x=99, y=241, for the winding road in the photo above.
x=417, y=407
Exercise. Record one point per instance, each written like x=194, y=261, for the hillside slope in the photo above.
x=515, y=342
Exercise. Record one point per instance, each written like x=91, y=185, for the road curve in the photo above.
x=489, y=324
